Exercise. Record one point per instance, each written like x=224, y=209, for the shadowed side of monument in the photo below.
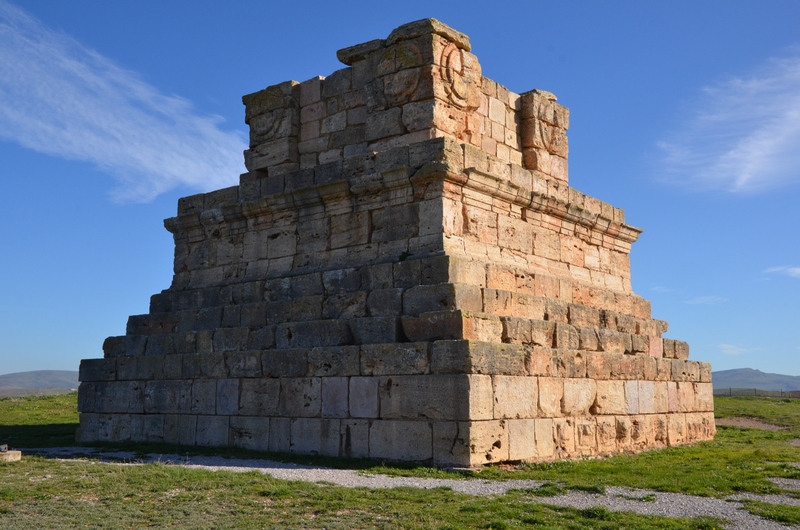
x=403, y=273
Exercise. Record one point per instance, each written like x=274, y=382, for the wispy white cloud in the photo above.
x=794, y=272
x=660, y=289
x=704, y=300
x=743, y=134
x=732, y=349
x=61, y=98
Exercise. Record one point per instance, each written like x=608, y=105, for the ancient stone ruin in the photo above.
x=403, y=273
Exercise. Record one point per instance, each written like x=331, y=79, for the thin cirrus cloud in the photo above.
x=732, y=349
x=794, y=272
x=742, y=137
x=704, y=300
x=61, y=98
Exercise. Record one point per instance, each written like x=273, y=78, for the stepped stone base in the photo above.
x=403, y=273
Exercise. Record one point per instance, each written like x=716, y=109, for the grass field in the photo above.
x=54, y=493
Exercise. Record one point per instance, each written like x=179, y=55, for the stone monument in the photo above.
x=403, y=273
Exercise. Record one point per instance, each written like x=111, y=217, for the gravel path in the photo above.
x=615, y=498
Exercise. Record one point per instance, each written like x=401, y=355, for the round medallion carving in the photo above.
x=454, y=75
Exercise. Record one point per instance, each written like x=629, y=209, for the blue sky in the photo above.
x=685, y=114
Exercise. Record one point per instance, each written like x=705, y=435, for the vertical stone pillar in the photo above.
x=543, y=134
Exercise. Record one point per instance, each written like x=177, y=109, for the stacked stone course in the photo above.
x=403, y=273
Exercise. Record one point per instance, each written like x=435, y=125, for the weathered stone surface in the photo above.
x=403, y=273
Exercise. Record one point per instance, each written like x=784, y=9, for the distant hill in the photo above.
x=750, y=378
x=38, y=382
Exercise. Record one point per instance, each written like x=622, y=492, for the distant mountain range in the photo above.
x=749, y=378
x=38, y=382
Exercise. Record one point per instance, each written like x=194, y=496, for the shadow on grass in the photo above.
x=47, y=435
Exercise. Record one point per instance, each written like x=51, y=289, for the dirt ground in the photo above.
x=750, y=423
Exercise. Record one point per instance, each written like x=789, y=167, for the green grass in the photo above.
x=776, y=512
x=738, y=460
x=39, y=421
x=778, y=411
x=49, y=494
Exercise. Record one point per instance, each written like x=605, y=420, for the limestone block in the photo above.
x=86, y=397
x=212, y=365
x=333, y=361
x=527, y=306
x=632, y=397
x=606, y=434
x=515, y=396
x=300, y=397
x=313, y=333
x=259, y=397
x=172, y=367
x=522, y=440
x=227, y=396
x=566, y=337
x=672, y=396
x=167, y=397
x=437, y=325
x=564, y=437
x=676, y=428
x=212, y=431
x=335, y=397
x=579, y=396
x=344, y=305
x=681, y=350
x=230, y=339
x=363, y=397
x=705, y=372
x=97, y=370
x=669, y=348
x=661, y=397
x=354, y=438
x=280, y=435
x=551, y=392
x=204, y=396
x=586, y=436
x=610, y=398
x=401, y=440
x=469, y=444
x=704, y=393
x=483, y=327
x=598, y=366
x=375, y=330
x=640, y=431
x=587, y=339
x=187, y=429
x=555, y=310
x=498, y=302
x=285, y=363
x=447, y=397
x=243, y=364
x=545, y=438
x=385, y=302
x=457, y=356
x=611, y=341
x=443, y=297
x=394, y=359
x=624, y=427
x=114, y=347
x=647, y=404
x=686, y=397
x=306, y=436
x=250, y=432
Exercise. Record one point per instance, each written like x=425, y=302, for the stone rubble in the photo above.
x=403, y=273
